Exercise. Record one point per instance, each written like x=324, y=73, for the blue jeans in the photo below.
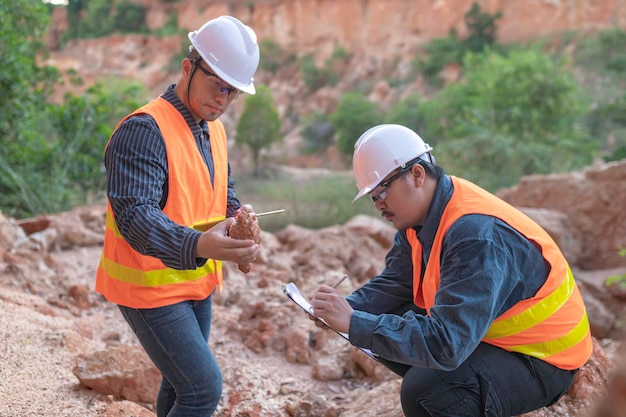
x=176, y=338
x=491, y=382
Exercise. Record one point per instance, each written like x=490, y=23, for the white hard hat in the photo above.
x=383, y=149
x=231, y=49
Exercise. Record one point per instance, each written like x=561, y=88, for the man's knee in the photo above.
x=427, y=392
x=417, y=386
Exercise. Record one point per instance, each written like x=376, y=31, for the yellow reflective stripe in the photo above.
x=535, y=314
x=205, y=225
x=110, y=224
x=552, y=347
x=157, y=277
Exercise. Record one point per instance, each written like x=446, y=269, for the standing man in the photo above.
x=476, y=308
x=168, y=182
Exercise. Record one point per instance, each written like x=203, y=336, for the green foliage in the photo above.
x=493, y=160
x=23, y=83
x=25, y=87
x=482, y=29
x=510, y=118
x=450, y=50
x=317, y=132
x=606, y=50
x=329, y=74
x=62, y=166
x=273, y=56
x=354, y=115
x=74, y=9
x=96, y=18
x=170, y=27
x=130, y=17
x=597, y=57
x=525, y=94
x=311, y=75
x=259, y=124
x=409, y=112
x=608, y=120
x=619, y=279
x=439, y=53
x=312, y=202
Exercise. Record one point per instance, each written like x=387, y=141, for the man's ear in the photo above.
x=187, y=66
x=418, y=173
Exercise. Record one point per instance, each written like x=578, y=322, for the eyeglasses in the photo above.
x=384, y=186
x=230, y=92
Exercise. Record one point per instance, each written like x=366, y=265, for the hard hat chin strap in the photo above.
x=193, y=71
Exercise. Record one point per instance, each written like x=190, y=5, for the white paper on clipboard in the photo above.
x=292, y=291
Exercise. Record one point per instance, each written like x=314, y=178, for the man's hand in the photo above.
x=330, y=305
x=216, y=244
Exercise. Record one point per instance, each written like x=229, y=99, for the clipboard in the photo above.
x=293, y=293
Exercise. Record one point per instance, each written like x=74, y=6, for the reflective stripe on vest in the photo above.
x=129, y=278
x=157, y=274
x=552, y=325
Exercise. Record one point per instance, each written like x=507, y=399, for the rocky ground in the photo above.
x=65, y=351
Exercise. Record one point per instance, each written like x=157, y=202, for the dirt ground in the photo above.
x=275, y=362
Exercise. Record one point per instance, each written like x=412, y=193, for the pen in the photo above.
x=339, y=281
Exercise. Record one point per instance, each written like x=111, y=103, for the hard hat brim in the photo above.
x=364, y=190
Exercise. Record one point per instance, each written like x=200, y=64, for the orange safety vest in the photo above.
x=552, y=325
x=128, y=278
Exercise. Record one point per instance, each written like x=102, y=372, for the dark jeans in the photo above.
x=176, y=338
x=491, y=382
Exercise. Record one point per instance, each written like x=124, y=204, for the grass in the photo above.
x=311, y=200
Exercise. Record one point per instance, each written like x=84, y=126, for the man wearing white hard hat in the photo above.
x=171, y=201
x=476, y=308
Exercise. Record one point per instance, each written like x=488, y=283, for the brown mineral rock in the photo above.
x=246, y=226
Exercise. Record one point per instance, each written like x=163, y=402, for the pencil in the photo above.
x=339, y=281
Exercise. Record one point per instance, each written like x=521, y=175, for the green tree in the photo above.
x=273, y=56
x=329, y=73
x=607, y=121
x=354, y=115
x=130, y=17
x=25, y=87
x=259, y=124
x=81, y=126
x=311, y=75
x=515, y=115
x=482, y=28
x=63, y=167
x=409, y=112
x=97, y=20
x=439, y=53
x=74, y=9
x=23, y=83
x=317, y=132
x=450, y=50
x=528, y=93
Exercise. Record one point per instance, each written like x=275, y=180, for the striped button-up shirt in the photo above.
x=486, y=268
x=136, y=166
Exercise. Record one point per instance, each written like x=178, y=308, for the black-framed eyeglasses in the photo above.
x=383, y=187
x=230, y=92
